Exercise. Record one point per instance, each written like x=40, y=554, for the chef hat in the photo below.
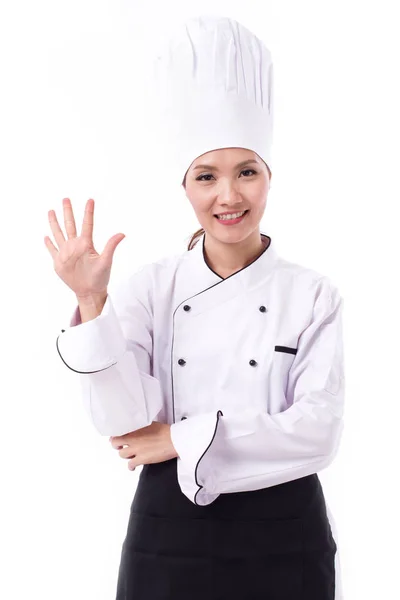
x=213, y=81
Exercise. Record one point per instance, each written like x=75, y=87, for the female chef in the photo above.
x=220, y=369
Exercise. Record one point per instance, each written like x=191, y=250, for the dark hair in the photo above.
x=193, y=240
x=199, y=232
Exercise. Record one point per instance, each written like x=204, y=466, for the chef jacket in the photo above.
x=248, y=370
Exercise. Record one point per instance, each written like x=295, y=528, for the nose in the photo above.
x=229, y=195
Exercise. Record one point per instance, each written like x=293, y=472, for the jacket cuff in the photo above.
x=94, y=345
x=196, y=464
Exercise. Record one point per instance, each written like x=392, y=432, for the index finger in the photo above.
x=87, y=223
x=117, y=441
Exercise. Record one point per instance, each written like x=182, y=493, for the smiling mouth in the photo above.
x=227, y=215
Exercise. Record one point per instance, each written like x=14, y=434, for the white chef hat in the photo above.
x=214, y=89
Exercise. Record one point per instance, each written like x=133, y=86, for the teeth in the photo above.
x=233, y=216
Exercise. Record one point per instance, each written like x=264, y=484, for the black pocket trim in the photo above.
x=286, y=349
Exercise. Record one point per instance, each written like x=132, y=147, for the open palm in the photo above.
x=76, y=261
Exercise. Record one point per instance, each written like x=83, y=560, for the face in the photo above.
x=228, y=180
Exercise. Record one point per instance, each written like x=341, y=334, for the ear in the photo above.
x=184, y=193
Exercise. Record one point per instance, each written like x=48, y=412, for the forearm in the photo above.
x=91, y=307
x=118, y=391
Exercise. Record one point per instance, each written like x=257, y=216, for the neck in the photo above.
x=228, y=258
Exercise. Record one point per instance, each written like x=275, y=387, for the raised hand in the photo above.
x=76, y=261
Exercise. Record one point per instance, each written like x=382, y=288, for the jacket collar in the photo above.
x=196, y=277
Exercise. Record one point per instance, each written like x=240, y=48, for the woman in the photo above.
x=220, y=370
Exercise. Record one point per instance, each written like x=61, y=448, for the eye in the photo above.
x=199, y=178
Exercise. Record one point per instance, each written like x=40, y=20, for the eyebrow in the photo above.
x=211, y=167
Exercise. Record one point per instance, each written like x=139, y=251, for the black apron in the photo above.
x=274, y=543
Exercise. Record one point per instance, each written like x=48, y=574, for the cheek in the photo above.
x=258, y=202
x=200, y=203
x=260, y=195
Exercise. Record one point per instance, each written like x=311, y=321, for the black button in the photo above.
x=262, y=309
x=252, y=362
x=62, y=330
x=181, y=362
x=186, y=307
x=183, y=418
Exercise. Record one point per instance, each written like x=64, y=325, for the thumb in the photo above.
x=112, y=243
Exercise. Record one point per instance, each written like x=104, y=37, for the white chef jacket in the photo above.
x=248, y=370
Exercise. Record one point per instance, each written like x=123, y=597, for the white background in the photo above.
x=73, y=124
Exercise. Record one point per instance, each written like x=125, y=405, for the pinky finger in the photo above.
x=50, y=247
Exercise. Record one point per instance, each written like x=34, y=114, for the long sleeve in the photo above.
x=231, y=451
x=113, y=356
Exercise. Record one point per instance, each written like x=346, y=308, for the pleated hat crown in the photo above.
x=213, y=89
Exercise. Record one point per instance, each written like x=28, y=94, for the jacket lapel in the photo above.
x=196, y=280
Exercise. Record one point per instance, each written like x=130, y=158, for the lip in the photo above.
x=230, y=222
